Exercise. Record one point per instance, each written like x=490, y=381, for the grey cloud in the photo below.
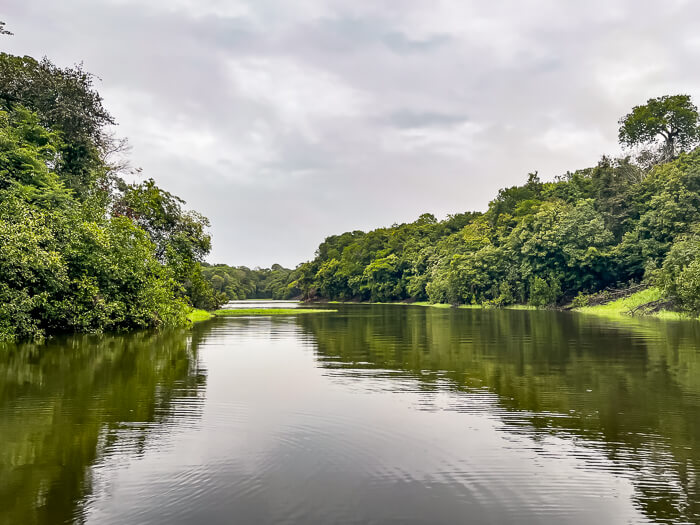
x=400, y=43
x=407, y=118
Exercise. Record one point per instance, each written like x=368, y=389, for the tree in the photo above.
x=4, y=31
x=66, y=102
x=672, y=118
x=180, y=236
x=668, y=203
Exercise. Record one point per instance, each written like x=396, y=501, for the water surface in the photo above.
x=374, y=414
x=261, y=303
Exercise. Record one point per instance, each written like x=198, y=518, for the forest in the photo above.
x=625, y=221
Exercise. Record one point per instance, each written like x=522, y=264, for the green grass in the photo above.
x=197, y=316
x=625, y=305
x=233, y=312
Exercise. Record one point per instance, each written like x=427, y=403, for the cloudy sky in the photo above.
x=287, y=121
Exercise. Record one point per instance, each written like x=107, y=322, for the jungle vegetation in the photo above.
x=82, y=250
x=626, y=220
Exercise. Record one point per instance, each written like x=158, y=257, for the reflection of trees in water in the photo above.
x=631, y=389
x=66, y=404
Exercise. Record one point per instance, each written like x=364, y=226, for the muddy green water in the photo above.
x=374, y=414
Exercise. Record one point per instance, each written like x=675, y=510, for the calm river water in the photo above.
x=374, y=414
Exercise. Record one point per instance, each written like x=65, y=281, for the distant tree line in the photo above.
x=232, y=283
x=80, y=248
x=544, y=243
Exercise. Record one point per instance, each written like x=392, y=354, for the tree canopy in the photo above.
x=673, y=119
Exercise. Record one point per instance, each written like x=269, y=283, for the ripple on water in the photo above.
x=387, y=415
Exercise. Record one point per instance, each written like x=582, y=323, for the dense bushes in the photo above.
x=80, y=250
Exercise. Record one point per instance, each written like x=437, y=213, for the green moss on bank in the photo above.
x=233, y=312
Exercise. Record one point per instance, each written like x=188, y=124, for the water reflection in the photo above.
x=67, y=405
x=376, y=414
x=628, y=389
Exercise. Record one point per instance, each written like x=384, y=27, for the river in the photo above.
x=374, y=414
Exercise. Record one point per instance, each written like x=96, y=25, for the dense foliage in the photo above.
x=541, y=243
x=80, y=249
x=232, y=283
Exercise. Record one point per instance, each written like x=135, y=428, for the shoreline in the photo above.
x=629, y=307
x=623, y=307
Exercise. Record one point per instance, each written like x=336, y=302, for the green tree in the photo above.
x=180, y=236
x=667, y=203
x=26, y=151
x=672, y=118
x=66, y=102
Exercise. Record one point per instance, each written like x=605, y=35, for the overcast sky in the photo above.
x=287, y=121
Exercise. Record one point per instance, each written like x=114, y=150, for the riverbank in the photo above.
x=639, y=304
x=198, y=316
x=633, y=305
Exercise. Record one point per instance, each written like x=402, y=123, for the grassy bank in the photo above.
x=234, y=312
x=197, y=316
x=633, y=305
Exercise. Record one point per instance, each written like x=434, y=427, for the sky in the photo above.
x=288, y=121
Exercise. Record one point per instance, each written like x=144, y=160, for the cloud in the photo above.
x=298, y=97
x=406, y=118
x=285, y=122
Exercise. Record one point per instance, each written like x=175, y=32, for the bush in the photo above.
x=580, y=301
x=543, y=293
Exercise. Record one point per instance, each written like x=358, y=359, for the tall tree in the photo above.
x=672, y=118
